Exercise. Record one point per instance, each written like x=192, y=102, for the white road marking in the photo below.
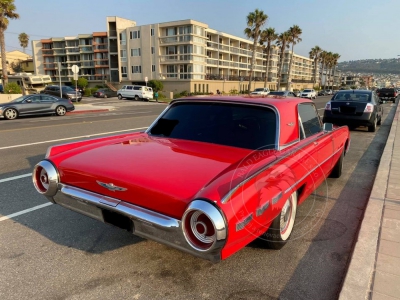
x=70, y=138
x=24, y=211
x=15, y=177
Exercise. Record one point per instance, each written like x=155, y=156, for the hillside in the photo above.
x=379, y=66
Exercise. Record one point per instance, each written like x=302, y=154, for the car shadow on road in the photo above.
x=58, y=224
x=332, y=241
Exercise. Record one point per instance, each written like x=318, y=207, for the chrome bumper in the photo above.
x=145, y=223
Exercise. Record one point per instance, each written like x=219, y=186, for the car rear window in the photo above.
x=277, y=93
x=243, y=126
x=349, y=96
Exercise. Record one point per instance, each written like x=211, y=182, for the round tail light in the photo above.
x=203, y=226
x=45, y=178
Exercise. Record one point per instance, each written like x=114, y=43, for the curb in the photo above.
x=86, y=111
x=359, y=278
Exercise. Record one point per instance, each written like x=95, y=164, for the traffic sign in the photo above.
x=75, y=69
x=75, y=76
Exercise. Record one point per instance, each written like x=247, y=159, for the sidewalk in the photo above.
x=90, y=108
x=374, y=270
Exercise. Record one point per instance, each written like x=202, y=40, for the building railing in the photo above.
x=231, y=77
x=101, y=47
x=87, y=49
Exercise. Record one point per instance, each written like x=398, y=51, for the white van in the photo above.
x=137, y=92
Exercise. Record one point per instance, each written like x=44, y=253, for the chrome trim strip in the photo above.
x=277, y=198
x=242, y=224
x=309, y=172
x=146, y=223
x=289, y=144
x=262, y=209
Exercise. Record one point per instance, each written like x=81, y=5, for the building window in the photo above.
x=135, y=34
x=171, y=31
x=135, y=52
x=152, y=31
x=123, y=72
x=136, y=69
x=153, y=68
x=123, y=55
x=152, y=50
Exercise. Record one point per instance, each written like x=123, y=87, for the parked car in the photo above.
x=137, y=92
x=78, y=89
x=260, y=91
x=282, y=93
x=354, y=108
x=105, y=93
x=297, y=93
x=67, y=92
x=308, y=93
x=322, y=93
x=232, y=170
x=35, y=105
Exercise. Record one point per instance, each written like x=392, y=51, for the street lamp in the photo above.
x=59, y=76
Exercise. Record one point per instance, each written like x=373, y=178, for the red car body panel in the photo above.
x=165, y=174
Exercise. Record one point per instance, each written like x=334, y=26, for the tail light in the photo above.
x=369, y=108
x=328, y=106
x=45, y=178
x=203, y=226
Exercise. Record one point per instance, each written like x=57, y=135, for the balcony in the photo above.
x=59, y=52
x=176, y=39
x=231, y=77
x=86, y=49
x=72, y=50
x=100, y=48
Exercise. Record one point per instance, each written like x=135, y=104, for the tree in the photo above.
x=295, y=33
x=315, y=54
x=329, y=63
x=156, y=85
x=267, y=36
x=282, y=42
x=335, y=58
x=12, y=88
x=16, y=66
x=82, y=82
x=7, y=12
x=255, y=20
x=323, y=58
x=23, y=40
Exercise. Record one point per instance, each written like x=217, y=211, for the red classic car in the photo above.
x=209, y=176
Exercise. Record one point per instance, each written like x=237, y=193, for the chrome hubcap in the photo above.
x=285, y=216
x=61, y=110
x=11, y=114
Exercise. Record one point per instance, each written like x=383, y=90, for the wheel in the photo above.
x=61, y=110
x=105, y=96
x=136, y=97
x=337, y=169
x=380, y=120
x=282, y=226
x=10, y=114
x=372, y=128
x=119, y=96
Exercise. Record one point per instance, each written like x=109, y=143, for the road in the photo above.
x=49, y=252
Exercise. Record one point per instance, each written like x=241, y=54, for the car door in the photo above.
x=31, y=105
x=48, y=103
x=323, y=141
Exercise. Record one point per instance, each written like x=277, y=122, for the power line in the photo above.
x=27, y=34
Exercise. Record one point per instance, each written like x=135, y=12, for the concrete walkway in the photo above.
x=374, y=270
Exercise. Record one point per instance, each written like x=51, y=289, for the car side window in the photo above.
x=310, y=120
x=129, y=87
x=34, y=98
x=137, y=88
x=47, y=99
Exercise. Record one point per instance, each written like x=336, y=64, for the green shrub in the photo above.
x=156, y=85
x=12, y=88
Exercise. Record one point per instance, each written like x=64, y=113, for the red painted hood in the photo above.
x=160, y=174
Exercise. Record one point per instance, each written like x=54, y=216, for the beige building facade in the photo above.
x=15, y=57
x=186, y=55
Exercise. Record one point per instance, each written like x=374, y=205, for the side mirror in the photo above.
x=328, y=127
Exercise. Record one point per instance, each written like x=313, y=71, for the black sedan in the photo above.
x=39, y=104
x=105, y=93
x=354, y=108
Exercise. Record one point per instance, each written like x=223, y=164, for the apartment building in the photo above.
x=186, y=55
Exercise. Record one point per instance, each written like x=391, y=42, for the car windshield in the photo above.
x=350, y=96
x=277, y=93
x=19, y=99
x=236, y=125
x=306, y=91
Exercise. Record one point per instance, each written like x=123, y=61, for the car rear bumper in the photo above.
x=140, y=221
x=366, y=119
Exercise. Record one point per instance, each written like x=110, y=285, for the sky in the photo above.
x=355, y=29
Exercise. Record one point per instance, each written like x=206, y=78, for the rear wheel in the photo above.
x=10, y=114
x=61, y=110
x=119, y=96
x=282, y=226
x=105, y=96
x=337, y=169
x=372, y=128
x=136, y=97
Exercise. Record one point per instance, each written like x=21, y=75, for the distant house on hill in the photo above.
x=18, y=61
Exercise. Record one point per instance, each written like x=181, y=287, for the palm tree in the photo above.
x=335, y=58
x=315, y=54
x=295, y=32
x=255, y=20
x=329, y=62
x=267, y=36
x=283, y=42
x=23, y=40
x=7, y=12
x=323, y=58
